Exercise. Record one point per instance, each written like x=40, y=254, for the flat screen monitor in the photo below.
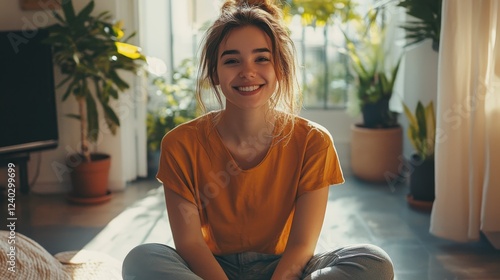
x=28, y=116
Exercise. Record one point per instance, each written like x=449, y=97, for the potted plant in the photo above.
x=426, y=23
x=175, y=105
x=90, y=52
x=376, y=143
x=422, y=133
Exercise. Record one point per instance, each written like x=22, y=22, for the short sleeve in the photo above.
x=174, y=172
x=321, y=167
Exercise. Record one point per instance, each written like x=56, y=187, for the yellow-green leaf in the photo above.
x=411, y=118
x=128, y=50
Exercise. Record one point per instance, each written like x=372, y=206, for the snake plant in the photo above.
x=375, y=75
x=422, y=129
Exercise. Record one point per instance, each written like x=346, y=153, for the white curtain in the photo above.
x=468, y=123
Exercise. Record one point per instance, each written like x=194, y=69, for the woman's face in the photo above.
x=245, y=71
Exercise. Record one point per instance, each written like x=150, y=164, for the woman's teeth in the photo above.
x=249, y=88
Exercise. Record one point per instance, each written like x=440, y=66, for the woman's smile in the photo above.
x=248, y=90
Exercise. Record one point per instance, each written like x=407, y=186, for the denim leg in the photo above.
x=248, y=265
x=155, y=261
x=230, y=264
x=351, y=262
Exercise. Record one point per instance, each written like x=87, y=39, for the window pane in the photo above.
x=324, y=74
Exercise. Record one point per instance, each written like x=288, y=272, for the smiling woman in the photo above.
x=246, y=187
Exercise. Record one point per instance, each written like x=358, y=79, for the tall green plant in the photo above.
x=422, y=129
x=375, y=77
x=90, y=52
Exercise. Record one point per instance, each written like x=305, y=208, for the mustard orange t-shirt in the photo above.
x=246, y=210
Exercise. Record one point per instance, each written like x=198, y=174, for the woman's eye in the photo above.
x=262, y=59
x=230, y=61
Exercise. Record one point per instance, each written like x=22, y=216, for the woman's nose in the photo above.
x=247, y=71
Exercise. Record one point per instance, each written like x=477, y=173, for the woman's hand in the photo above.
x=186, y=230
x=306, y=226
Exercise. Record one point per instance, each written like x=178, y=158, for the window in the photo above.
x=324, y=70
x=324, y=74
x=325, y=77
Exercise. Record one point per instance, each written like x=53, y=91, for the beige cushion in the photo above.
x=32, y=261
x=90, y=265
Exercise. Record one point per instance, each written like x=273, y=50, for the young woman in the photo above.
x=246, y=187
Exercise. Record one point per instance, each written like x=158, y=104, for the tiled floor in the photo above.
x=357, y=212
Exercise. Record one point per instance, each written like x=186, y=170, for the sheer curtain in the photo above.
x=468, y=123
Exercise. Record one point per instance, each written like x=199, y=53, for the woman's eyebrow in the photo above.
x=259, y=50
x=229, y=52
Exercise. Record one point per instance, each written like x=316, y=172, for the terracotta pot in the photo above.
x=376, y=153
x=90, y=179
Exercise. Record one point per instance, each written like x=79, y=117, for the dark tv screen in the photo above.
x=28, y=116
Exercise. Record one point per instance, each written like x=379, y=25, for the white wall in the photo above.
x=420, y=83
x=49, y=165
x=154, y=28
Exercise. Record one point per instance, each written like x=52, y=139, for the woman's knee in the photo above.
x=383, y=257
x=149, y=257
x=140, y=254
x=374, y=259
x=364, y=261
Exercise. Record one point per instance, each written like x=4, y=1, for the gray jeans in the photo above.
x=158, y=261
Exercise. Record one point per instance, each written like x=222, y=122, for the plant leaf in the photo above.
x=68, y=10
x=85, y=12
x=431, y=128
x=112, y=119
x=412, y=121
x=420, y=116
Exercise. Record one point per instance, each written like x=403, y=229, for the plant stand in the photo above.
x=376, y=153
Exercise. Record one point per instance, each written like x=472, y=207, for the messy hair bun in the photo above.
x=265, y=5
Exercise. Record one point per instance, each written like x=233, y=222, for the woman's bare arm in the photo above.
x=306, y=226
x=186, y=229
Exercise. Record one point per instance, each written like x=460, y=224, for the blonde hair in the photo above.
x=267, y=16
